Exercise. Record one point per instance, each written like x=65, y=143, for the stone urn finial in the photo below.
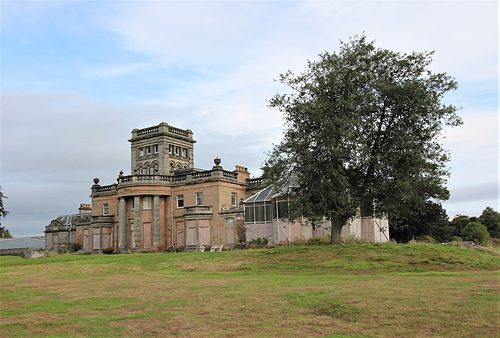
x=217, y=161
x=121, y=173
x=96, y=181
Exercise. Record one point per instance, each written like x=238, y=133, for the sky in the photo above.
x=77, y=76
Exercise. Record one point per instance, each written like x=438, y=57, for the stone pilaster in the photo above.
x=156, y=221
x=137, y=222
x=122, y=225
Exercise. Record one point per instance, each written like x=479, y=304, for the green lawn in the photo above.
x=345, y=290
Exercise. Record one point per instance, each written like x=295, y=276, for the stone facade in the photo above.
x=165, y=203
x=63, y=230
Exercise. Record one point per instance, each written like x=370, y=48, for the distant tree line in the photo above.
x=431, y=222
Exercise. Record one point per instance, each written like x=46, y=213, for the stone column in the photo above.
x=198, y=233
x=122, y=224
x=156, y=221
x=137, y=222
x=186, y=237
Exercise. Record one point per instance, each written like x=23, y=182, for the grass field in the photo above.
x=345, y=290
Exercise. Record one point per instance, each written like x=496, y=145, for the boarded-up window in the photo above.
x=85, y=239
x=146, y=232
x=107, y=240
x=191, y=233
x=204, y=231
x=180, y=234
x=230, y=231
x=55, y=239
x=97, y=239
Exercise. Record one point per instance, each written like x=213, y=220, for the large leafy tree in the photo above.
x=458, y=224
x=4, y=233
x=427, y=220
x=362, y=133
x=491, y=219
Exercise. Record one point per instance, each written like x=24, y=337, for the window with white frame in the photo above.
x=258, y=212
x=180, y=201
x=146, y=202
x=199, y=198
x=141, y=151
x=234, y=199
x=105, y=209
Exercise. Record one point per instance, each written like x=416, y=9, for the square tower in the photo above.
x=161, y=150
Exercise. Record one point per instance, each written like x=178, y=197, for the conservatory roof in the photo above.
x=264, y=195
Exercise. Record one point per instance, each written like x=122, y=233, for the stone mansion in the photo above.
x=166, y=203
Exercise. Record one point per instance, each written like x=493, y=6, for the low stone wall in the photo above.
x=17, y=251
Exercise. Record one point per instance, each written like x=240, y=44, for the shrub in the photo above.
x=456, y=239
x=426, y=239
x=476, y=232
x=108, y=251
x=319, y=240
x=74, y=247
x=258, y=241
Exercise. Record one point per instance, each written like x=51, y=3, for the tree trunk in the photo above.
x=336, y=229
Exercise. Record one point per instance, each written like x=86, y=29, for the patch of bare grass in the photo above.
x=345, y=290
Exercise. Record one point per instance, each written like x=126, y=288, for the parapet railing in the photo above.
x=152, y=178
x=162, y=128
x=178, y=131
x=198, y=209
x=147, y=131
x=255, y=182
x=168, y=180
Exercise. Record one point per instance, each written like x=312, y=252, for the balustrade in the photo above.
x=198, y=209
x=177, y=131
x=148, y=131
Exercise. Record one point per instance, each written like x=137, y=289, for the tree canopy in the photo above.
x=491, y=219
x=4, y=233
x=363, y=129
